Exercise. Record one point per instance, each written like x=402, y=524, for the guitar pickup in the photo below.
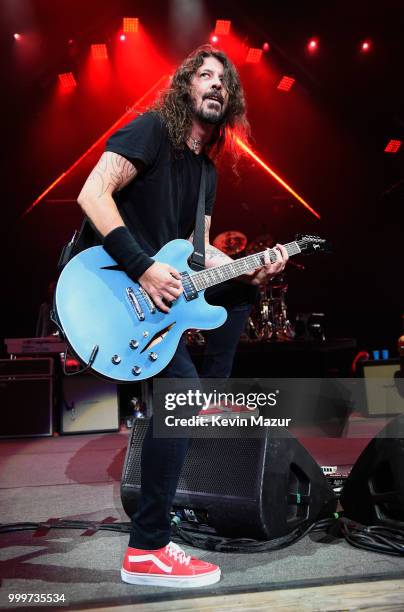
x=135, y=304
x=190, y=292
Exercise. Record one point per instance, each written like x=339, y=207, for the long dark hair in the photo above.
x=174, y=106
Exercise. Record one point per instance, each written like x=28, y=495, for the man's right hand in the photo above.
x=162, y=282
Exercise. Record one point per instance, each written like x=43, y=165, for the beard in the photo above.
x=212, y=116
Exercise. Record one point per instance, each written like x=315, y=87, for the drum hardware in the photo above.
x=270, y=322
x=231, y=242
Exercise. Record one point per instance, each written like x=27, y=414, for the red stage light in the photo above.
x=312, y=45
x=265, y=47
x=130, y=24
x=122, y=37
x=393, y=146
x=98, y=142
x=255, y=157
x=99, y=52
x=67, y=80
x=365, y=46
x=17, y=36
x=214, y=39
x=222, y=27
x=286, y=83
x=253, y=56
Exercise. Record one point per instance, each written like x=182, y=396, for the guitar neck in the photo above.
x=219, y=274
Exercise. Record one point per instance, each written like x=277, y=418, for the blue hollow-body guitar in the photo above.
x=114, y=328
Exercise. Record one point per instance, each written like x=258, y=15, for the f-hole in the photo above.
x=158, y=337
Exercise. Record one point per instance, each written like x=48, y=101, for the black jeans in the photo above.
x=162, y=458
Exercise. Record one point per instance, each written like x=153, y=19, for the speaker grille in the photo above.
x=218, y=466
x=131, y=475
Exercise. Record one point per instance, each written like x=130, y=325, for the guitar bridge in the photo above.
x=135, y=304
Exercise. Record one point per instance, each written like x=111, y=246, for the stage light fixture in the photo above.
x=393, y=146
x=286, y=83
x=122, y=37
x=365, y=46
x=130, y=24
x=17, y=36
x=99, y=52
x=312, y=45
x=265, y=47
x=214, y=39
x=253, y=56
x=67, y=80
x=222, y=27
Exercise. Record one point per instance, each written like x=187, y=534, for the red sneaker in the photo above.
x=167, y=566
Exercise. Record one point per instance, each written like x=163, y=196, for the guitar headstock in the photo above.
x=311, y=244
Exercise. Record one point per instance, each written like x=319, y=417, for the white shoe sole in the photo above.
x=178, y=582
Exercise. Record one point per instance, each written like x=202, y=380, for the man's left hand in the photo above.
x=262, y=275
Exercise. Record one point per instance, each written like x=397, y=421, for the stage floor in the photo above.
x=78, y=477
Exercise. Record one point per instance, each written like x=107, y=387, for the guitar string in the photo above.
x=204, y=278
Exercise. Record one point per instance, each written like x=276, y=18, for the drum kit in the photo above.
x=269, y=320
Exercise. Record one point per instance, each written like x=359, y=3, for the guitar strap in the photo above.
x=197, y=260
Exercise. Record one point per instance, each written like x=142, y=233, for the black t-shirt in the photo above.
x=160, y=203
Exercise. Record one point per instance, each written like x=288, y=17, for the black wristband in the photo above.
x=122, y=246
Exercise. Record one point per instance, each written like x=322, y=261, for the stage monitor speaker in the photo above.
x=374, y=490
x=386, y=398
x=26, y=397
x=26, y=407
x=261, y=488
x=89, y=405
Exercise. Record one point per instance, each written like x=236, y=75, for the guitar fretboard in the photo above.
x=219, y=274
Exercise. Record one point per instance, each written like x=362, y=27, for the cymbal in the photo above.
x=260, y=243
x=230, y=242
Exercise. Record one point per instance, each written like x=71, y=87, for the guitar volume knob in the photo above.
x=136, y=370
x=133, y=344
x=116, y=359
x=153, y=356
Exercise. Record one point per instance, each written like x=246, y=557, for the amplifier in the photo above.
x=26, y=406
x=384, y=387
x=26, y=397
x=89, y=404
x=26, y=367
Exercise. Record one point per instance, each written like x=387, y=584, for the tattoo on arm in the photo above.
x=111, y=173
x=212, y=252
